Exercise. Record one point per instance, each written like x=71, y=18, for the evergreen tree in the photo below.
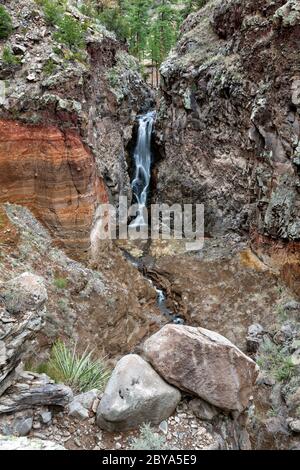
x=138, y=22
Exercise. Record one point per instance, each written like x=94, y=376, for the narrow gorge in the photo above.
x=116, y=332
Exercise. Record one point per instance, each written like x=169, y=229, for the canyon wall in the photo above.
x=66, y=118
x=229, y=119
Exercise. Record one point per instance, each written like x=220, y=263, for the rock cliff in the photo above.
x=66, y=119
x=229, y=120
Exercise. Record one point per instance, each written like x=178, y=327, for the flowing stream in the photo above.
x=140, y=187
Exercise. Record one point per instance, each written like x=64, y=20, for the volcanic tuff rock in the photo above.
x=203, y=363
x=135, y=394
x=65, y=122
x=229, y=117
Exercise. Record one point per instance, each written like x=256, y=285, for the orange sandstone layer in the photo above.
x=52, y=173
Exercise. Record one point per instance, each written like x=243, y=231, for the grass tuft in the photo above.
x=79, y=371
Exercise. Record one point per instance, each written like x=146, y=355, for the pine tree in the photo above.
x=138, y=21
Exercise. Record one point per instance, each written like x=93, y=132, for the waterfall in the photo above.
x=142, y=163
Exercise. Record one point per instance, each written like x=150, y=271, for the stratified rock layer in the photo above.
x=54, y=174
x=65, y=121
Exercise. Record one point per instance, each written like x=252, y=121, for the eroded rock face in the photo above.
x=203, y=363
x=21, y=317
x=135, y=394
x=65, y=122
x=54, y=174
x=229, y=117
x=90, y=307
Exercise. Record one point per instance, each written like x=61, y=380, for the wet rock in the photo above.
x=135, y=394
x=203, y=363
x=203, y=410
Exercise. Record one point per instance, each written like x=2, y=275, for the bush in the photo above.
x=6, y=27
x=60, y=283
x=277, y=361
x=79, y=371
x=53, y=12
x=148, y=440
x=49, y=67
x=70, y=32
x=8, y=57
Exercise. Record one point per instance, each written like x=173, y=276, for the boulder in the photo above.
x=135, y=394
x=204, y=364
x=23, y=293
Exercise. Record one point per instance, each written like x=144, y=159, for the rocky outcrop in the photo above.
x=229, y=118
x=23, y=293
x=23, y=443
x=203, y=363
x=89, y=304
x=135, y=394
x=34, y=391
x=66, y=119
x=50, y=171
x=21, y=316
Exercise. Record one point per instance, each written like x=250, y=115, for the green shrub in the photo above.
x=70, y=32
x=148, y=440
x=53, y=12
x=8, y=57
x=49, y=67
x=60, y=283
x=79, y=371
x=285, y=370
x=6, y=27
x=276, y=360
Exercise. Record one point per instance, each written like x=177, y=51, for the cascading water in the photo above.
x=140, y=189
x=142, y=161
